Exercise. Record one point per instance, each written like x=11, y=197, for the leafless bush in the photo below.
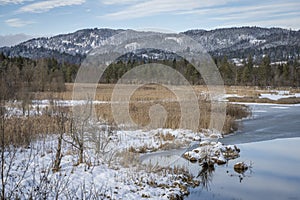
x=78, y=128
x=128, y=158
x=88, y=191
x=11, y=181
x=103, y=139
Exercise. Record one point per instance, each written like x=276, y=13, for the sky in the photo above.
x=52, y=17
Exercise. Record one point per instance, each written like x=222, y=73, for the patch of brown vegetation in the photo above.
x=22, y=130
x=139, y=112
x=290, y=100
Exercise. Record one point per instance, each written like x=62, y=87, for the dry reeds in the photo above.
x=139, y=112
x=21, y=130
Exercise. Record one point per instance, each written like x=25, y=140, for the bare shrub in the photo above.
x=128, y=158
x=11, y=182
x=237, y=111
x=167, y=137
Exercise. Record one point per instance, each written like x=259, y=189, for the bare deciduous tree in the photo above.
x=79, y=125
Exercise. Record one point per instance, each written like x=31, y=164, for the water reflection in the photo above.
x=206, y=175
x=274, y=173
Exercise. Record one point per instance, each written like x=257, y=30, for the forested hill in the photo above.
x=244, y=56
x=279, y=44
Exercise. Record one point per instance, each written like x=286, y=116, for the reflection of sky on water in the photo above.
x=275, y=174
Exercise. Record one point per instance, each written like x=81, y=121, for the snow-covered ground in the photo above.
x=39, y=107
x=30, y=175
x=278, y=94
x=28, y=170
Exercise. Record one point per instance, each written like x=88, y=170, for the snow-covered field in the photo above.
x=28, y=170
x=30, y=176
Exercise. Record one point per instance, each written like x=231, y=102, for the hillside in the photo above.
x=279, y=44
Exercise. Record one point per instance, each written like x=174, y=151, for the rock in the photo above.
x=191, y=156
x=231, y=152
x=240, y=167
x=216, y=151
x=193, y=159
x=215, y=136
x=197, y=138
x=204, y=143
x=196, y=150
x=219, y=161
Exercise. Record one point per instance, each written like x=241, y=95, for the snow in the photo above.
x=153, y=140
x=145, y=56
x=132, y=46
x=238, y=61
x=279, y=63
x=278, y=94
x=266, y=104
x=280, y=107
x=256, y=41
x=66, y=42
x=178, y=40
x=214, y=151
x=44, y=103
x=39, y=107
x=32, y=168
x=226, y=96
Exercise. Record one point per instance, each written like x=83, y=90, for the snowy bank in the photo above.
x=28, y=174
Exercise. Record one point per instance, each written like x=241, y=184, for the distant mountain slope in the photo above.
x=79, y=42
x=280, y=44
x=237, y=38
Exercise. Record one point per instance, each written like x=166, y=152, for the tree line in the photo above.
x=260, y=74
x=20, y=76
x=250, y=73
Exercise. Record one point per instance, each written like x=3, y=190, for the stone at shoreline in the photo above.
x=240, y=167
x=214, y=152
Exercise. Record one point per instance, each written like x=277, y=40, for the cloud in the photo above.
x=282, y=23
x=4, y=2
x=44, y=6
x=153, y=7
x=284, y=13
x=16, y=22
x=114, y=2
x=246, y=11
